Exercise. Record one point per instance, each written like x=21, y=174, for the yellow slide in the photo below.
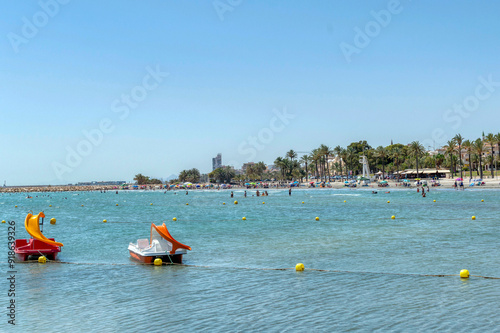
x=33, y=228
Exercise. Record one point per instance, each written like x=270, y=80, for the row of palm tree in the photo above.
x=389, y=159
x=475, y=150
x=392, y=158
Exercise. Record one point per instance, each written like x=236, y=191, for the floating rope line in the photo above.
x=256, y=268
x=303, y=220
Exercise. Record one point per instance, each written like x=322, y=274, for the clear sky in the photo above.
x=334, y=71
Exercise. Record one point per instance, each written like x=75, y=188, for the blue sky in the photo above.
x=228, y=77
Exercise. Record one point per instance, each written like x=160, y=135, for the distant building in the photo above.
x=246, y=165
x=217, y=162
x=272, y=168
x=113, y=182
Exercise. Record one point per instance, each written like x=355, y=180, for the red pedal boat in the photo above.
x=38, y=245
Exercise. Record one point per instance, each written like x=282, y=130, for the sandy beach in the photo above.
x=445, y=183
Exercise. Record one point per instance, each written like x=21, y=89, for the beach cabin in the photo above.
x=425, y=173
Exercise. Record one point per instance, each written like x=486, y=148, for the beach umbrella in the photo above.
x=383, y=182
x=346, y=182
x=246, y=184
x=311, y=183
x=459, y=179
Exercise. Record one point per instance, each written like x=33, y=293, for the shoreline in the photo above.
x=445, y=184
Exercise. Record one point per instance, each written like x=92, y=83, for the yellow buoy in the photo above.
x=299, y=267
x=388, y=201
x=317, y=218
x=151, y=204
x=263, y=203
x=3, y=221
x=174, y=219
x=244, y=218
x=464, y=273
x=104, y=221
x=117, y=204
x=187, y=204
x=158, y=262
x=236, y=202
x=302, y=201
x=52, y=221
x=42, y=259
x=345, y=201
x=482, y=200
x=223, y=203
x=393, y=217
x=15, y=206
x=82, y=205
x=434, y=200
x=473, y=217
x=50, y=205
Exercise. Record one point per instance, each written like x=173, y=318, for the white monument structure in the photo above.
x=366, y=169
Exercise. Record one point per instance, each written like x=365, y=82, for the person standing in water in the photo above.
x=290, y=191
x=245, y=194
x=232, y=194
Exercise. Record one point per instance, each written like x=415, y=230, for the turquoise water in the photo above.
x=374, y=266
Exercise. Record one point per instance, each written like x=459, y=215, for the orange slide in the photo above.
x=163, y=231
x=32, y=226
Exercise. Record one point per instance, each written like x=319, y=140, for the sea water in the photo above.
x=364, y=270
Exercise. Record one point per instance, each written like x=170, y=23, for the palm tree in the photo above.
x=287, y=167
x=259, y=168
x=478, y=147
x=416, y=151
x=343, y=156
x=325, y=151
x=468, y=147
x=459, y=140
x=278, y=162
x=396, y=155
x=318, y=161
x=291, y=154
x=338, y=151
x=450, y=150
x=438, y=159
x=312, y=166
x=491, y=139
x=351, y=155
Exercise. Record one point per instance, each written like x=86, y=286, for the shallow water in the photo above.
x=375, y=266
